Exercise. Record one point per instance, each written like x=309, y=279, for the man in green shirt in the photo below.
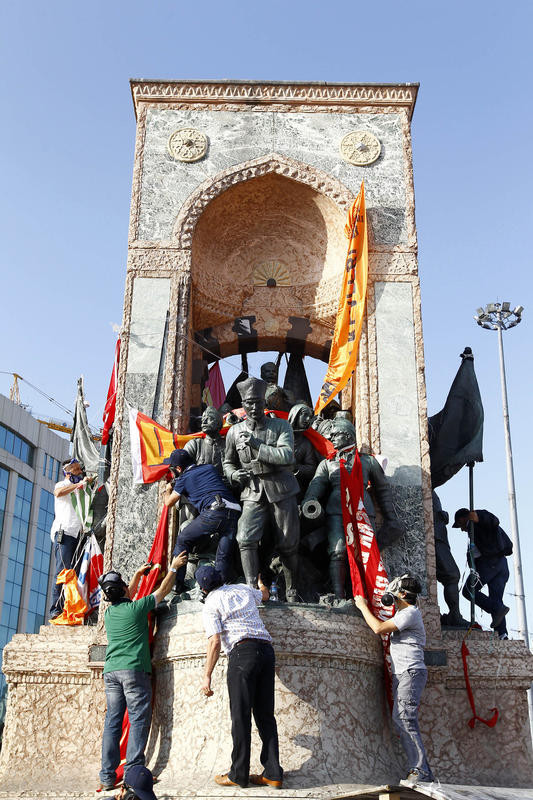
x=127, y=668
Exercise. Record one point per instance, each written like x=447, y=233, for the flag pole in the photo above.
x=471, y=562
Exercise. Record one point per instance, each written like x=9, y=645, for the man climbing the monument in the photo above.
x=232, y=622
x=218, y=511
x=491, y=547
x=409, y=672
x=66, y=526
x=128, y=667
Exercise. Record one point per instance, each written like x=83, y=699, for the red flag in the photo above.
x=214, y=392
x=148, y=584
x=369, y=578
x=109, y=410
x=92, y=567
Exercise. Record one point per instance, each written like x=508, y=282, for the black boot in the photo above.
x=290, y=573
x=250, y=565
x=337, y=573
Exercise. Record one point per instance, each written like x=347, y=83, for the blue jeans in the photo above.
x=407, y=688
x=494, y=572
x=131, y=689
x=63, y=553
x=223, y=523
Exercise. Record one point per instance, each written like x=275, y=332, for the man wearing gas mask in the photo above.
x=128, y=666
x=66, y=526
x=409, y=672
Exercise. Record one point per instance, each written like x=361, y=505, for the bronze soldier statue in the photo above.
x=306, y=458
x=209, y=450
x=259, y=461
x=326, y=486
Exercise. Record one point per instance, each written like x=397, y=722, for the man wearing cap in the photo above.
x=218, y=512
x=66, y=526
x=128, y=667
x=259, y=460
x=232, y=621
x=138, y=785
x=491, y=545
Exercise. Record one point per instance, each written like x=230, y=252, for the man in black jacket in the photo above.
x=490, y=564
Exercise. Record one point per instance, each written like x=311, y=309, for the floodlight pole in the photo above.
x=498, y=316
x=517, y=558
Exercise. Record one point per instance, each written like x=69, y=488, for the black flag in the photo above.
x=456, y=432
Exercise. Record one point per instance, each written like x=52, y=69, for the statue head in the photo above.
x=269, y=372
x=211, y=421
x=275, y=397
x=342, y=433
x=300, y=417
x=252, y=392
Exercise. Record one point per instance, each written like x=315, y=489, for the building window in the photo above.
x=41, y=564
x=16, y=445
x=16, y=558
x=4, y=480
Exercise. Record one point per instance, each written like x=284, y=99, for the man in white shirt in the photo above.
x=232, y=621
x=66, y=526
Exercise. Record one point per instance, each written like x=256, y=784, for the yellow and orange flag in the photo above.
x=349, y=323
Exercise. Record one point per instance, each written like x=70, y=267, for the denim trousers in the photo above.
x=131, y=689
x=63, y=553
x=493, y=572
x=407, y=688
x=223, y=523
x=251, y=691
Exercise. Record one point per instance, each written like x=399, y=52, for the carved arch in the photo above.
x=191, y=211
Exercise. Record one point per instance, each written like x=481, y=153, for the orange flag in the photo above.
x=74, y=608
x=349, y=323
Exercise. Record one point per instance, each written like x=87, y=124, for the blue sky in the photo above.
x=66, y=150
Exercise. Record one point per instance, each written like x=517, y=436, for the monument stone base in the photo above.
x=334, y=725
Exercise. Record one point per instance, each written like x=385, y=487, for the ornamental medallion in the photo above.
x=360, y=148
x=187, y=144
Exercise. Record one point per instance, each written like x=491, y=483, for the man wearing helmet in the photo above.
x=409, y=672
x=127, y=668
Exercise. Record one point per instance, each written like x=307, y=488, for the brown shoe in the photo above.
x=224, y=780
x=260, y=780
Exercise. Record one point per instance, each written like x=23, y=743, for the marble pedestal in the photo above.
x=334, y=726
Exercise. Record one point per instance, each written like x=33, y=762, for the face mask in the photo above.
x=74, y=478
x=393, y=590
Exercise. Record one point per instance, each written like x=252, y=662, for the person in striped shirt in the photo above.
x=232, y=623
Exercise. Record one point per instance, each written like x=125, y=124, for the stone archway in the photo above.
x=263, y=244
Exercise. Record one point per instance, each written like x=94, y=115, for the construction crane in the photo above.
x=52, y=424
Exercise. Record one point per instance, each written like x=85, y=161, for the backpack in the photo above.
x=505, y=545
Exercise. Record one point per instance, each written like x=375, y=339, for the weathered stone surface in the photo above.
x=236, y=138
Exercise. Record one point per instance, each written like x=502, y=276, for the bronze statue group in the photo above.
x=260, y=502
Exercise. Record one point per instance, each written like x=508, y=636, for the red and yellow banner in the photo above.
x=349, y=323
x=151, y=444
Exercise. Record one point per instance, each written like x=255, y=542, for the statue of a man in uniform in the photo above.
x=259, y=461
x=326, y=487
x=209, y=450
